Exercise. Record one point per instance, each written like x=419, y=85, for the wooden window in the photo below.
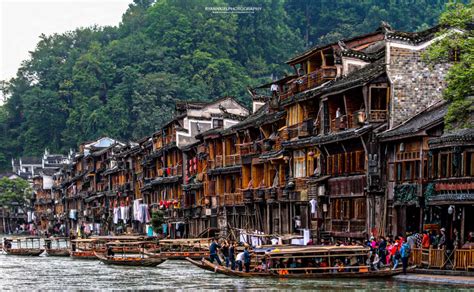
x=336, y=209
x=443, y=171
x=360, y=158
x=299, y=163
x=217, y=123
x=346, y=209
x=360, y=208
x=295, y=115
x=408, y=170
x=469, y=164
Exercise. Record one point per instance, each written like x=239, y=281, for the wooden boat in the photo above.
x=305, y=257
x=27, y=246
x=180, y=249
x=150, y=242
x=213, y=267
x=57, y=247
x=125, y=259
x=84, y=248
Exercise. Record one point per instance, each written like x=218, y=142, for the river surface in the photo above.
x=54, y=273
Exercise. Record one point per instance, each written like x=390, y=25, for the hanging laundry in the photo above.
x=116, y=215
x=314, y=206
x=306, y=236
x=122, y=213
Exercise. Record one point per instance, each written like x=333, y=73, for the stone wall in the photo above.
x=415, y=85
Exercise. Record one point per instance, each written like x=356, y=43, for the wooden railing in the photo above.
x=232, y=160
x=309, y=81
x=250, y=148
x=464, y=259
x=342, y=123
x=231, y=199
x=378, y=115
x=460, y=259
x=349, y=226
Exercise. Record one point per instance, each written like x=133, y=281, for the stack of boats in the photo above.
x=113, y=250
x=282, y=261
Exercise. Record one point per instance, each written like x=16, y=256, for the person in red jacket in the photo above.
x=425, y=242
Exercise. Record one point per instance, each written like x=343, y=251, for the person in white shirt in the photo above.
x=274, y=89
x=239, y=260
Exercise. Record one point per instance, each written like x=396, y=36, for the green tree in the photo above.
x=15, y=193
x=458, y=46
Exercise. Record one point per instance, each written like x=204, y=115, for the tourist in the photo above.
x=405, y=254
x=434, y=238
x=239, y=260
x=247, y=259
x=232, y=248
x=382, y=249
x=395, y=255
x=425, y=242
x=411, y=240
x=376, y=262
x=456, y=240
x=225, y=253
x=442, y=240
x=213, y=252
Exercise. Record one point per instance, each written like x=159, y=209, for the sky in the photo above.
x=22, y=21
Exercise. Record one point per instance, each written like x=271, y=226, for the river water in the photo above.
x=54, y=273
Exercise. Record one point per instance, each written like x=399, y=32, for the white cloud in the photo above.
x=22, y=21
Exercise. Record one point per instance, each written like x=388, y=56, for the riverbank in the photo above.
x=463, y=281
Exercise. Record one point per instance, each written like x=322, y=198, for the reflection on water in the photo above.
x=44, y=272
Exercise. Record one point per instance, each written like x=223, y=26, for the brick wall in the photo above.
x=415, y=85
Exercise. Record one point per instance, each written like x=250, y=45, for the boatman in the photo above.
x=213, y=252
x=247, y=259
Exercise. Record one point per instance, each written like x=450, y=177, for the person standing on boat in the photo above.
x=232, y=247
x=225, y=253
x=110, y=252
x=239, y=260
x=213, y=248
x=247, y=259
x=405, y=253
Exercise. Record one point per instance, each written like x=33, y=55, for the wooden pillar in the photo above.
x=463, y=222
x=268, y=218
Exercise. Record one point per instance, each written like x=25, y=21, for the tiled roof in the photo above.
x=454, y=138
x=425, y=119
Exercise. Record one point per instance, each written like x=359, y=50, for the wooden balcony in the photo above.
x=231, y=199
x=309, y=81
x=251, y=148
x=232, y=160
x=342, y=123
x=348, y=226
x=378, y=116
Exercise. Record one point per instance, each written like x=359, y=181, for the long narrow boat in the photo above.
x=84, y=249
x=213, y=267
x=307, y=264
x=126, y=259
x=180, y=249
x=150, y=242
x=27, y=246
x=57, y=246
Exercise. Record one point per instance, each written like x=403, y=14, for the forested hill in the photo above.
x=122, y=81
